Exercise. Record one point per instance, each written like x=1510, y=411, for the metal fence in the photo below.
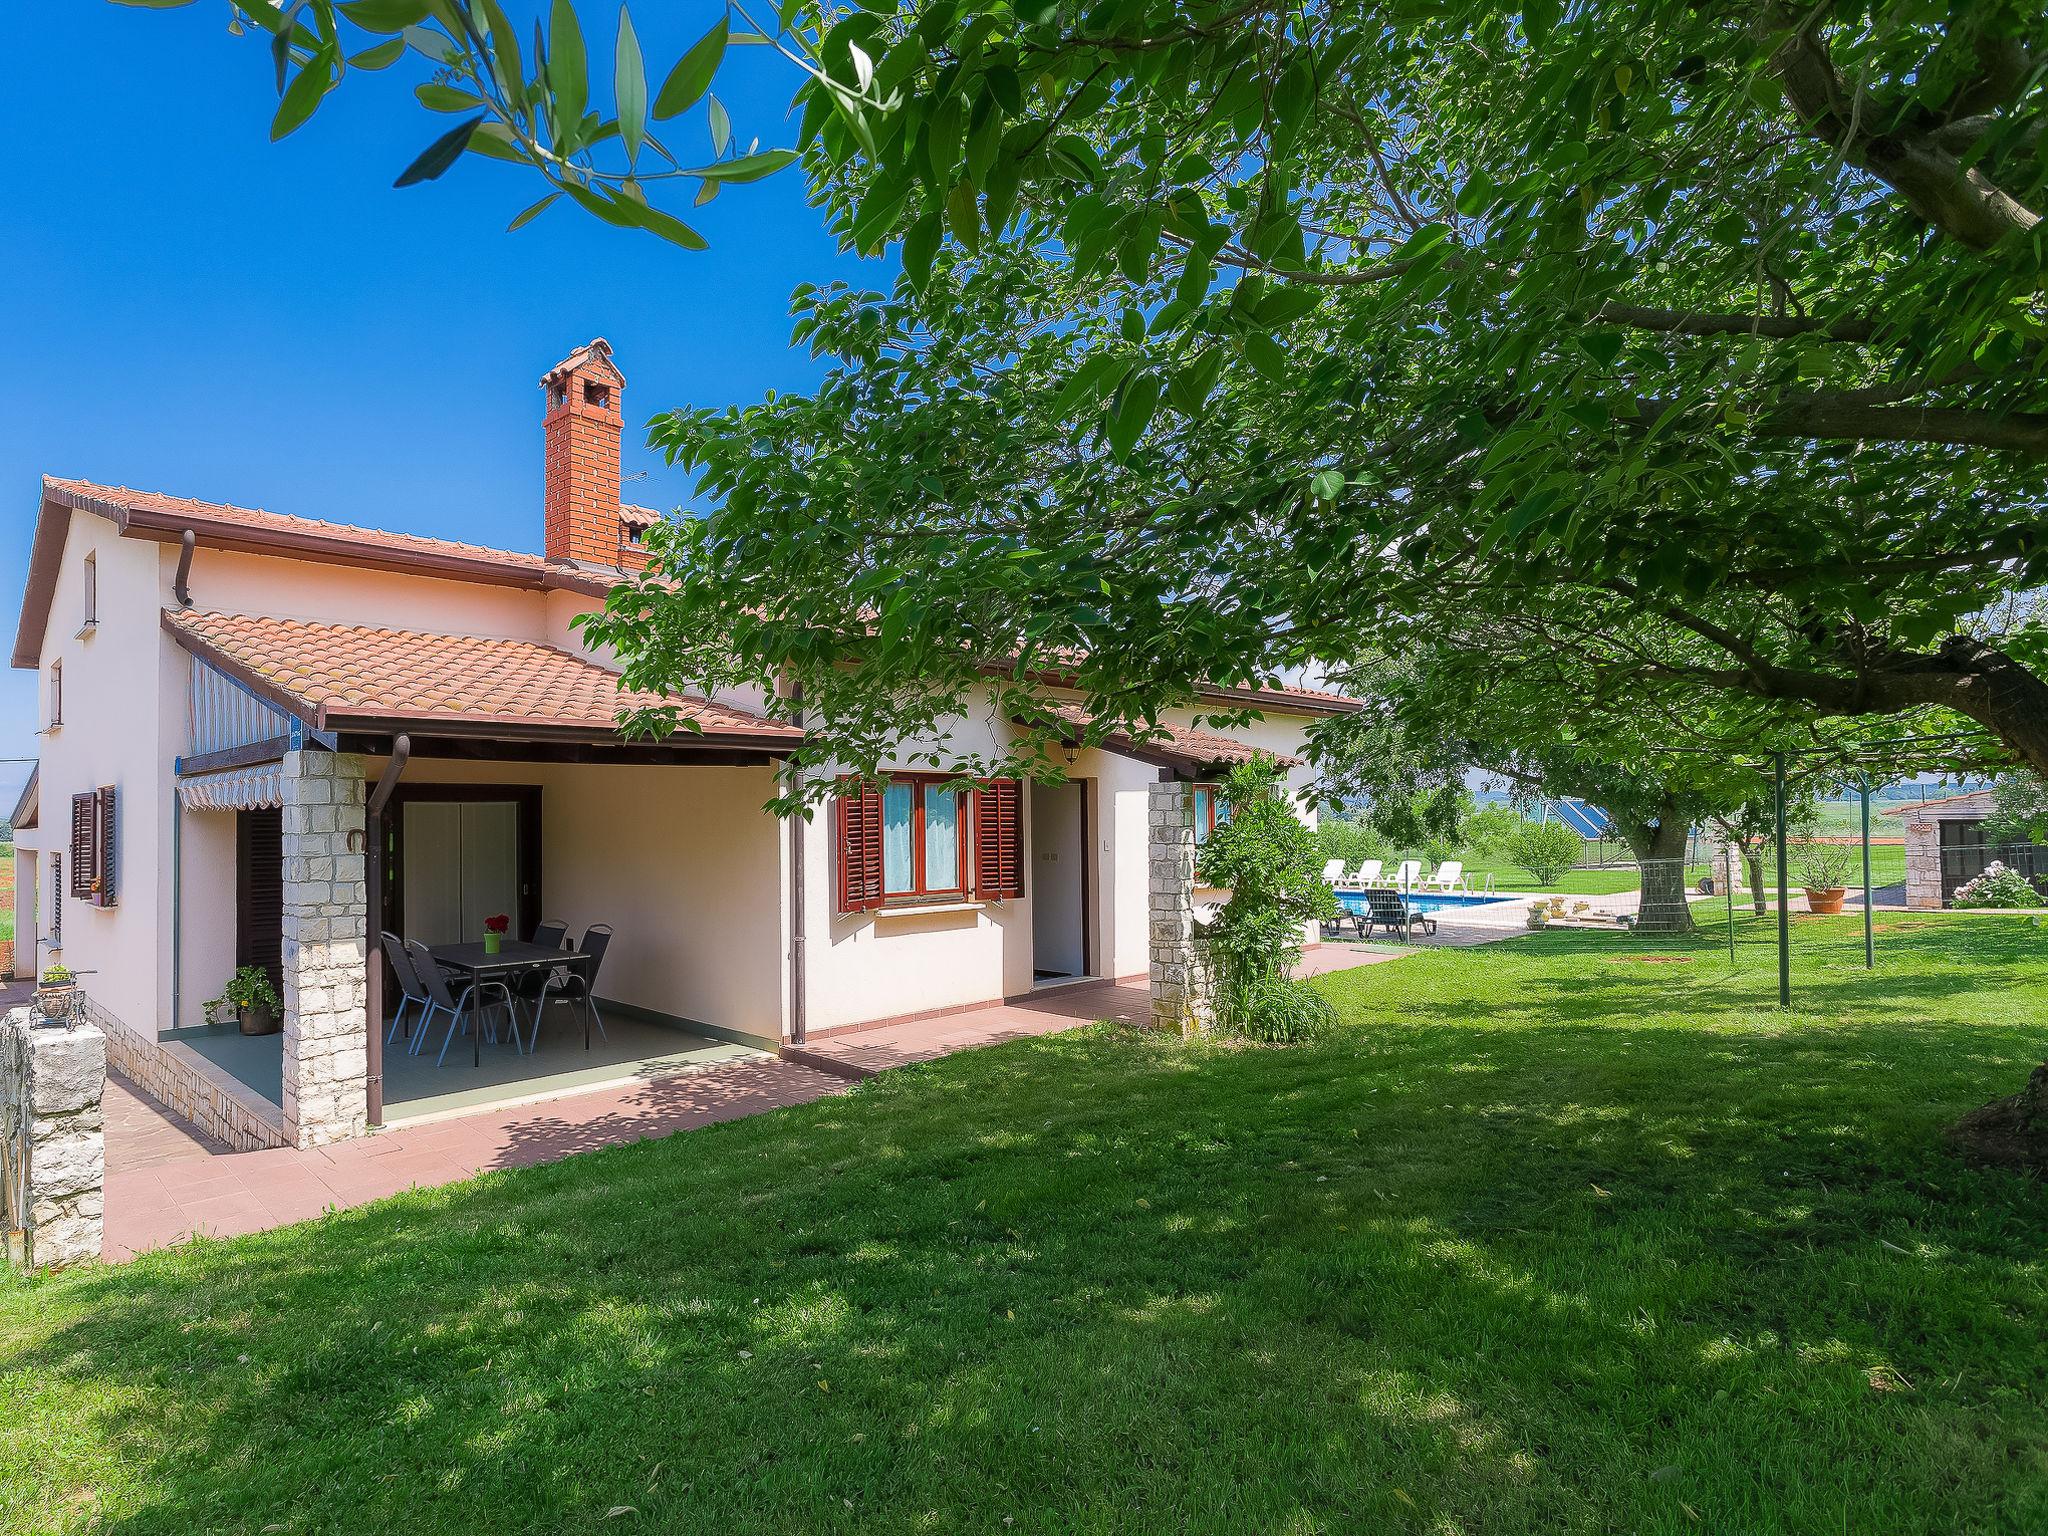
x=1965, y=859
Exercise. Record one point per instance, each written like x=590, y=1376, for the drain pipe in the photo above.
x=180, y=587
x=177, y=902
x=373, y=926
x=798, y=828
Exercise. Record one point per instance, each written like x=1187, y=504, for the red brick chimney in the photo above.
x=585, y=522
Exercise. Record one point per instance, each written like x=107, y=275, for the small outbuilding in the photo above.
x=1945, y=846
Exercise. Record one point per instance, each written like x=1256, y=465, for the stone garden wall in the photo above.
x=1182, y=994
x=54, y=1168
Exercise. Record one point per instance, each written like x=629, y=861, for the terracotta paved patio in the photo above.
x=166, y=1182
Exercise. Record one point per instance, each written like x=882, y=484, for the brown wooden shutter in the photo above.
x=857, y=828
x=259, y=891
x=999, y=840
x=85, y=820
x=103, y=894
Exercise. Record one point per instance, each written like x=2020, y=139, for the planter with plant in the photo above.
x=1272, y=868
x=1539, y=914
x=494, y=933
x=1824, y=871
x=253, y=1001
x=57, y=992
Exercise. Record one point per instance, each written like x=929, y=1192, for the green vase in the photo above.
x=492, y=942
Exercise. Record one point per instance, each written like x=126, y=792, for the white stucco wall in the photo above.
x=112, y=734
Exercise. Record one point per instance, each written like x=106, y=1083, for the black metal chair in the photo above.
x=577, y=983
x=463, y=1008
x=409, y=988
x=1386, y=909
x=531, y=987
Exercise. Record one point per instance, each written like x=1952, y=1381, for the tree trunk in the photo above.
x=1659, y=848
x=1753, y=859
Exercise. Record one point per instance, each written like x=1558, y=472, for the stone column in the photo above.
x=54, y=1168
x=1923, y=866
x=1181, y=994
x=1727, y=868
x=326, y=1023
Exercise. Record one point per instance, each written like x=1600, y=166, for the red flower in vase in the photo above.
x=497, y=924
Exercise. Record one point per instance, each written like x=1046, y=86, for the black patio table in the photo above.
x=515, y=958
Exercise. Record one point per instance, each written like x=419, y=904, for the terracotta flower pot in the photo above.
x=259, y=1019
x=1825, y=903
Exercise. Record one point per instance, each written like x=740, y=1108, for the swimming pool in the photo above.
x=1431, y=901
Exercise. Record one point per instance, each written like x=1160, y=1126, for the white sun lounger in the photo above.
x=1449, y=876
x=1409, y=875
x=1333, y=872
x=1368, y=873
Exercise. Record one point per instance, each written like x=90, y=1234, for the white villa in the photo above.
x=227, y=693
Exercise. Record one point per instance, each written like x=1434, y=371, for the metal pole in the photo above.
x=1728, y=868
x=1869, y=939
x=1784, y=893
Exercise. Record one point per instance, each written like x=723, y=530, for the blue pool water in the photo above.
x=1434, y=901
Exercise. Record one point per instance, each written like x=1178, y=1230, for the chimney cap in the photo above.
x=594, y=356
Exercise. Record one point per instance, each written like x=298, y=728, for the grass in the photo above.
x=1887, y=867
x=1570, y=1234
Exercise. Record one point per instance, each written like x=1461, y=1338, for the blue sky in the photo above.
x=190, y=308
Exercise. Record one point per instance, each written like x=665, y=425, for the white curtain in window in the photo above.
x=941, y=840
x=899, y=874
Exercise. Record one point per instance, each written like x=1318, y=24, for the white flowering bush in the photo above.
x=1998, y=887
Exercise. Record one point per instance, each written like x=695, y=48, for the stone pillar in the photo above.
x=1728, y=868
x=1181, y=994
x=326, y=1022
x=54, y=1168
x=1923, y=866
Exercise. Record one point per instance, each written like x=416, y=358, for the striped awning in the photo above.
x=233, y=789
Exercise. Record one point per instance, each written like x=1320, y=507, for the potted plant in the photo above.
x=494, y=933
x=1539, y=914
x=253, y=999
x=57, y=992
x=1824, y=871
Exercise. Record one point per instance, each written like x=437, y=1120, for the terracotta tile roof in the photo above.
x=1978, y=799
x=1181, y=746
x=329, y=673
x=638, y=517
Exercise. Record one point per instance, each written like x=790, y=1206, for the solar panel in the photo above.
x=1584, y=819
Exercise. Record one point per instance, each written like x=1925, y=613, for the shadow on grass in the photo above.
x=1590, y=1273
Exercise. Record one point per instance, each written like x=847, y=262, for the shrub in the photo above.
x=1342, y=837
x=1487, y=831
x=1998, y=887
x=2019, y=812
x=1546, y=849
x=1279, y=1010
x=1273, y=868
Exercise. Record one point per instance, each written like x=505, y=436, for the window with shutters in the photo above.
x=910, y=841
x=92, y=846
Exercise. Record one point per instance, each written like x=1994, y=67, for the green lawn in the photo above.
x=1887, y=867
x=1574, y=1233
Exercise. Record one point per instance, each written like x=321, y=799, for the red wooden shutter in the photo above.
x=103, y=896
x=857, y=828
x=999, y=840
x=84, y=856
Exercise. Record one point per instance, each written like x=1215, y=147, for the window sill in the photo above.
x=926, y=908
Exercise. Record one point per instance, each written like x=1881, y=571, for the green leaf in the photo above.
x=963, y=215
x=919, y=246
x=439, y=155
x=1094, y=377
x=1133, y=413
x=446, y=98
x=1266, y=356
x=381, y=15
x=1327, y=486
x=743, y=167
x=691, y=77
x=304, y=94
x=506, y=64
x=430, y=44
x=1538, y=18
x=496, y=141
x=568, y=66
x=528, y=215
x=1601, y=346
x=630, y=83
x=383, y=56
x=721, y=126
x=670, y=228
